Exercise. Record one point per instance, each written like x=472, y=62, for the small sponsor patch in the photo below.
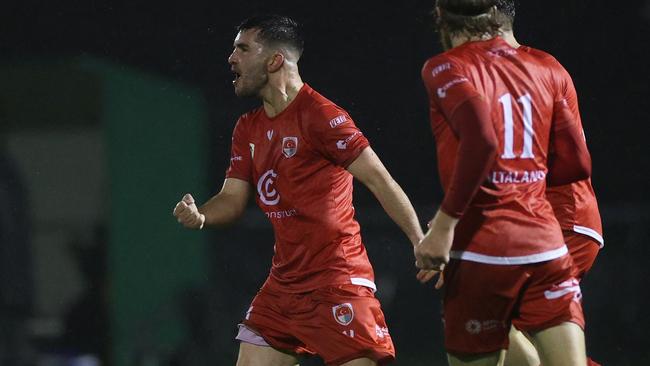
x=440, y=68
x=473, y=326
x=338, y=120
x=343, y=144
x=442, y=91
x=382, y=332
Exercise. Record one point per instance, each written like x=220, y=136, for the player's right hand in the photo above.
x=188, y=214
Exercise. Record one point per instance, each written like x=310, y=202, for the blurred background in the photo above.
x=111, y=111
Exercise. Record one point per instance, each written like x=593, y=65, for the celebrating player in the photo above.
x=299, y=153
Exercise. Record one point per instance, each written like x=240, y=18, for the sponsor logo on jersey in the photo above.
x=502, y=51
x=442, y=91
x=289, y=146
x=343, y=313
x=349, y=333
x=571, y=286
x=281, y=214
x=440, y=68
x=236, y=158
x=381, y=332
x=269, y=134
x=266, y=188
x=338, y=120
x=343, y=144
x=473, y=326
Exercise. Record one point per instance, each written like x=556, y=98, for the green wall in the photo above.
x=156, y=150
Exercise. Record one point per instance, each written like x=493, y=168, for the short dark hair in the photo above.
x=472, y=16
x=275, y=30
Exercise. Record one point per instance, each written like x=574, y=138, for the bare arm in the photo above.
x=368, y=169
x=222, y=209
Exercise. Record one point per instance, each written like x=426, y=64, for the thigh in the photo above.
x=552, y=297
x=254, y=355
x=346, y=326
x=583, y=250
x=479, y=301
x=521, y=351
x=561, y=345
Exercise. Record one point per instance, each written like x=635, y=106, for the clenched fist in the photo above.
x=188, y=214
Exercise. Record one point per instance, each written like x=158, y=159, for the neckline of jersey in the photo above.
x=303, y=90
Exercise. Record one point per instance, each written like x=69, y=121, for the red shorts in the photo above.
x=583, y=250
x=339, y=324
x=481, y=301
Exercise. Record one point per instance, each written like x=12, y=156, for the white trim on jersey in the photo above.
x=505, y=261
x=589, y=232
x=363, y=282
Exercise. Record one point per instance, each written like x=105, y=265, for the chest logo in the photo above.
x=289, y=146
x=269, y=134
x=266, y=188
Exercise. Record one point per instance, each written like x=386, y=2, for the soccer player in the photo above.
x=298, y=154
x=575, y=204
x=497, y=115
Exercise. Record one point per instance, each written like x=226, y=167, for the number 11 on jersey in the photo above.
x=508, y=124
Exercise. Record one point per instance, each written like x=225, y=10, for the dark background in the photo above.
x=366, y=56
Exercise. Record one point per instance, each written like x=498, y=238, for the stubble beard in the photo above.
x=253, y=84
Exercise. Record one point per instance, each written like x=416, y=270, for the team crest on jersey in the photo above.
x=289, y=146
x=343, y=313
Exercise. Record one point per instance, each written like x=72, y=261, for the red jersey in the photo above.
x=574, y=204
x=509, y=220
x=296, y=163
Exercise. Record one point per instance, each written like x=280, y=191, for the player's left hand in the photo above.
x=426, y=275
x=432, y=253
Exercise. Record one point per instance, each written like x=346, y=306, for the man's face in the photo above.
x=248, y=63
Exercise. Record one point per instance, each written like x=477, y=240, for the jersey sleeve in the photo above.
x=475, y=155
x=241, y=154
x=334, y=135
x=563, y=117
x=569, y=158
x=447, y=85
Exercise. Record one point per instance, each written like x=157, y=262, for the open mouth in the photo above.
x=237, y=76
